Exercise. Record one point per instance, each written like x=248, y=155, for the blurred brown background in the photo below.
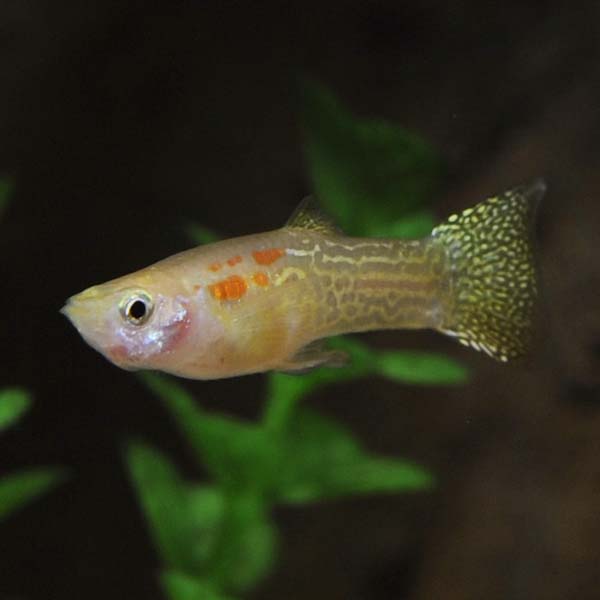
x=121, y=121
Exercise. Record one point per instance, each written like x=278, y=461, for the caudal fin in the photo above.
x=493, y=275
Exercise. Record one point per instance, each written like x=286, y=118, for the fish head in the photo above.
x=140, y=321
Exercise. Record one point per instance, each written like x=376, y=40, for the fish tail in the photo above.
x=492, y=272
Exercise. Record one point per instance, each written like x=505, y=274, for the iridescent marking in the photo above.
x=359, y=245
x=301, y=253
x=405, y=285
x=363, y=260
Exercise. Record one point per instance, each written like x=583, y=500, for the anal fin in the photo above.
x=312, y=356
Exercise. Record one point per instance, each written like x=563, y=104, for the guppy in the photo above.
x=268, y=301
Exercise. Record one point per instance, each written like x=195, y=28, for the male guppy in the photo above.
x=264, y=301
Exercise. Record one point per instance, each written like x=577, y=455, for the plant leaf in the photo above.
x=199, y=530
x=180, y=586
x=421, y=368
x=206, y=506
x=368, y=173
x=238, y=454
x=14, y=402
x=323, y=460
x=18, y=489
x=248, y=542
x=166, y=505
x=380, y=475
x=314, y=448
x=415, y=224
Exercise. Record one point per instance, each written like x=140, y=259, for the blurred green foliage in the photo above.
x=218, y=541
x=18, y=489
x=14, y=402
x=374, y=177
x=221, y=537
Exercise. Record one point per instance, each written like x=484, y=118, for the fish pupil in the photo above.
x=137, y=310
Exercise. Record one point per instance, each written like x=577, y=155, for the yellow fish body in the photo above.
x=259, y=302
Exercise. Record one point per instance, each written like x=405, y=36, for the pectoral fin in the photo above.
x=312, y=356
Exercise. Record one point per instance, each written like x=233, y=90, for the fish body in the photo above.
x=263, y=301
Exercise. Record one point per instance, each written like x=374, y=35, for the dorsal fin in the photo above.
x=309, y=216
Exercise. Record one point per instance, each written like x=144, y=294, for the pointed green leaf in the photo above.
x=238, y=454
x=368, y=173
x=379, y=475
x=206, y=506
x=421, y=368
x=248, y=541
x=180, y=586
x=14, y=402
x=323, y=460
x=314, y=448
x=165, y=501
x=200, y=530
x=186, y=521
x=21, y=488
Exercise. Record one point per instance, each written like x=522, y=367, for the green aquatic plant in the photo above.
x=373, y=176
x=218, y=540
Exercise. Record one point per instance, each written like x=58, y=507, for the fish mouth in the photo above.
x=82, y=304
x=86, y=317
x=74, y=311
x=67, y=310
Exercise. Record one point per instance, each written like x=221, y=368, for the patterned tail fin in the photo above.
x=493, y=275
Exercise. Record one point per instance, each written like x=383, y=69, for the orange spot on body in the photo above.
x=197, y=287
x=232, y=288
x=268, y=256
x=261, y=279
x=234, y=260
x=215, y=267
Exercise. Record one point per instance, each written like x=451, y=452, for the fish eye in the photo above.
x=136, y=309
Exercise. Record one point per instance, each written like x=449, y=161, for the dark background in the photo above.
x=120, y=121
